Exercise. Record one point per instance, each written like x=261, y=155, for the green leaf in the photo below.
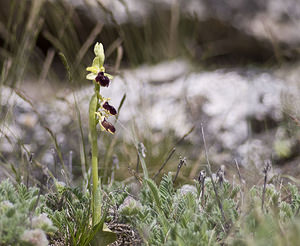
x=143, y=163
x=10, y=212
x=66, y=65
x=121, y=103
x=15, y=172
x=100, y=236
x=98, y=204
x=104, y=238
x=33, y=203
x=155, y=192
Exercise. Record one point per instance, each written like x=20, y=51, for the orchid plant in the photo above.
x=99, y=111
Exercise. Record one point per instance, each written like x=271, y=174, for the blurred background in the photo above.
x=231, y=67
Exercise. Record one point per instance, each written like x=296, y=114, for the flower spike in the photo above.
x=99, y=111
x=98, y=75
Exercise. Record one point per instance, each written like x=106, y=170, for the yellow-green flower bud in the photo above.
x=99, y=52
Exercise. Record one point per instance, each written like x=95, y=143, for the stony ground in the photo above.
x=247, y=113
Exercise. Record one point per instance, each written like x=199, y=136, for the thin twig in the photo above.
x=296, y=120
x=242, y=182
x=165, y=162
x=141, y=154
x=84, y=163
x=60, y=156
x=211, y=177
x=238, y=170
x=137, y=177
x=181, y=163
x=201, y=180
x=29, y=164
x=70, y=164
x=221, y=175
x=54, y=161
x=114, y=167
x=172, y=151
x=266, y=169
x=137, y=163
x=118, y=59
x=184, y=136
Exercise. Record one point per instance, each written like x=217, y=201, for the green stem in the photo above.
x=96, y=200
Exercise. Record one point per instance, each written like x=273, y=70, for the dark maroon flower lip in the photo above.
x=109, y=108
x=108, y=126
x=102, y=79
